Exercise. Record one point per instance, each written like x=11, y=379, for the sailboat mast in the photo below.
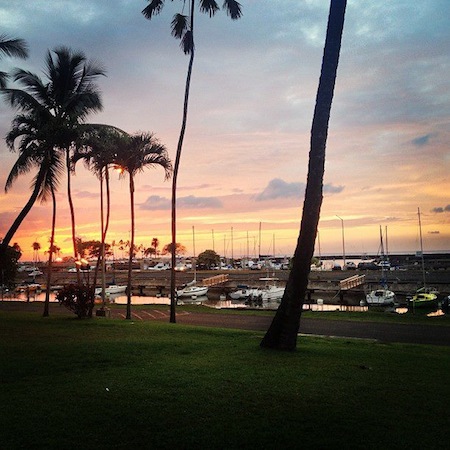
x=381, y=245
x=194, y=259
x=387, y=248
x=259, y=243
x=421, y=248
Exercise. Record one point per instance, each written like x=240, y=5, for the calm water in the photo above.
x=121, y=299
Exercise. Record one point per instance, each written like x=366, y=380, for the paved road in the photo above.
x=384, y=332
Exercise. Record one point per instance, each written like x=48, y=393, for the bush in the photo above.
x=78, y=299
x=8, y=264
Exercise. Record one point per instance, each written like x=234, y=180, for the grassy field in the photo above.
x=107, y=384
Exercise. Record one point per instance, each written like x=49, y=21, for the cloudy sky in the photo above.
x=244, y=162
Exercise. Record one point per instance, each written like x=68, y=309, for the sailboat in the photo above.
x=191, y=289
x=425, y=296
x=381, y=296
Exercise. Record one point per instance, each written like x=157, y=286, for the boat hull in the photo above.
x=424, y=300
x=112, y=289
x=192, y=291
x=272, y=293
x=380, y=297
x=243, y=293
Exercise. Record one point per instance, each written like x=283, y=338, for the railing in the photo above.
x=352, y=282
x=217, y=279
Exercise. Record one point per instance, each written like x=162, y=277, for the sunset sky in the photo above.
x=246, y=147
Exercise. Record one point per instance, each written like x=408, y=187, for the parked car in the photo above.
x=368, y=265
x=350, y=265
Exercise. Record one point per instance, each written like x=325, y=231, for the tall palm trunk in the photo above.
x=282, y=333
x=102, y=222
x=130, y=259
x=105, y=231
x=101, y=254
x=50, y=258
x=173, y=299
x=72, y=214
x=25, y=210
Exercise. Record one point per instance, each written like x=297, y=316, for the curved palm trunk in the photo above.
x=102, y=220
x=130, y=259
x=105, y=231
x=25, y=210
x=173, y=299
x=282, y=333
x=50, y=258
x=101, y=255
x=72, y=214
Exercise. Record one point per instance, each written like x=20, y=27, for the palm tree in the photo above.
x=183, y=29
x=36, y=247
x=11, y=47
x=98, y=149
x=155, y=244
x=35, y=152
x=50, y=255
x=51, y=112
x=133, y=156
x=72, y=78
x=35, y=133
x=282, y=333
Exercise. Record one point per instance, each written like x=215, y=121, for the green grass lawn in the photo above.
x=105, y=384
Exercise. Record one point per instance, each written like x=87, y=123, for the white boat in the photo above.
x=112, y=289
x=243, y=292
x=271, y=291
x=192, y=290
x=380, y=297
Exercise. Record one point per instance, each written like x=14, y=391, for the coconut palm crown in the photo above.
x=50, y=112
x=182, y=25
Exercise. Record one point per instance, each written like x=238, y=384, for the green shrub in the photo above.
x=78, y=299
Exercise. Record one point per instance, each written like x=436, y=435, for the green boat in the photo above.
x=423, y=299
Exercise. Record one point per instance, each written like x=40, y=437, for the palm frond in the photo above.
x=33, y=85
x=3, y=78
x=141, y=150
x=13, y=47
x=179, y=25
x=22, y=166
x=153, y=8
x=187, y=43
x=209, y=7
x=233, y=9
x=54, y=166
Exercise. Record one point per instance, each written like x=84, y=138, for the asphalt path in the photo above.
x=382, y=332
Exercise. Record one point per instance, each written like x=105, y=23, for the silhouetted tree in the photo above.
x=282, y=333
x=133, y=155
x=183, y=29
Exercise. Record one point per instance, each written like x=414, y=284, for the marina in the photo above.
x=328, y=289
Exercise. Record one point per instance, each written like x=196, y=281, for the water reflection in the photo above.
x=222, y=303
